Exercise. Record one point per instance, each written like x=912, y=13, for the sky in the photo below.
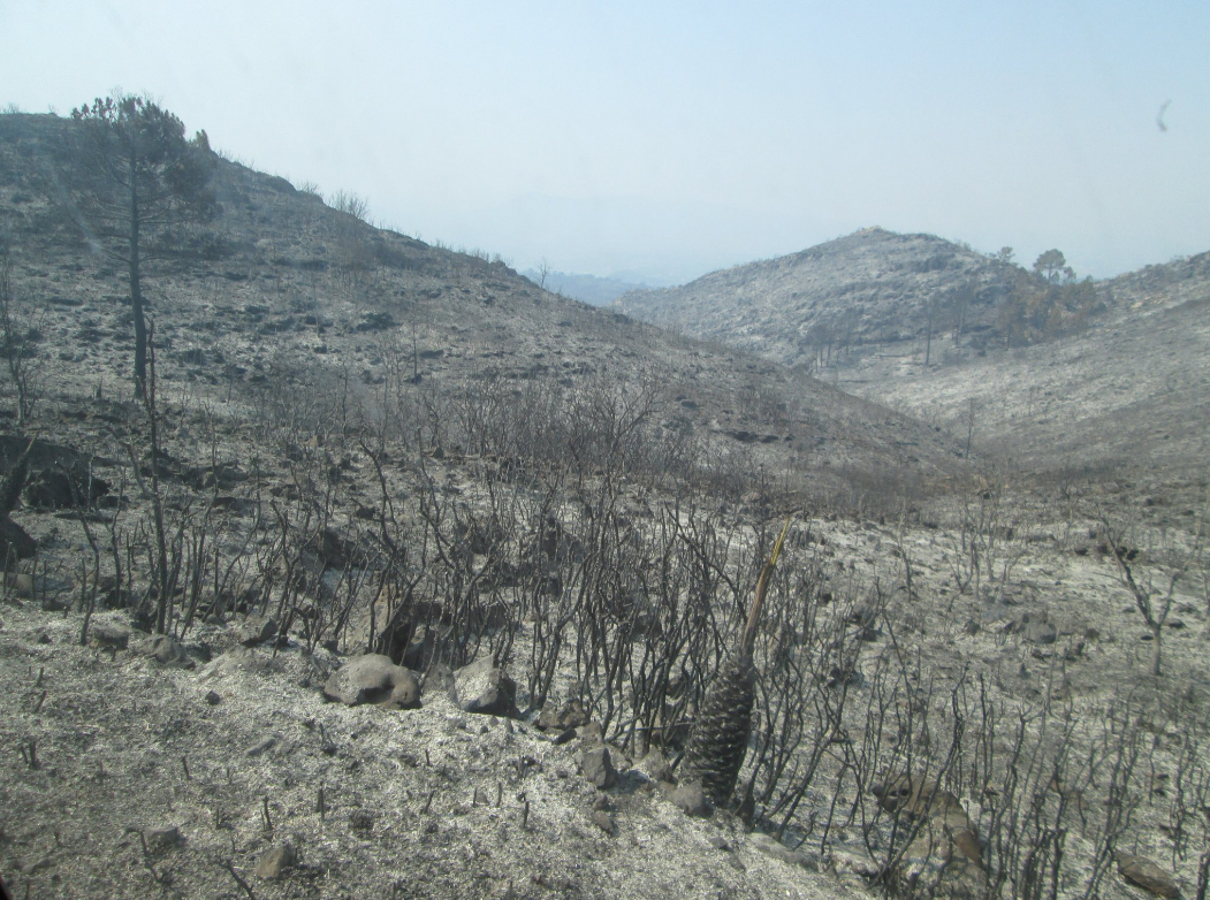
x=663, y=140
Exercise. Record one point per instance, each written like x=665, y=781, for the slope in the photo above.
x=870, y=287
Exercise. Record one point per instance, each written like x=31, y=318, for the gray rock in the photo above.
x=276, y=861
x=1040, y=632
x=571, y=715
x=1142, y=872
x=483, y=688
x=598, y=767
x=165, y=650
x=261, y=747
x=604, y=821
x=655, y=766
x=110, y=637
x=257, y=630
x=770, y=846
x=21, y=584
x=15, y=542
x=238, y=659
x=373, y=678
x=691, y=799
x=161, y=840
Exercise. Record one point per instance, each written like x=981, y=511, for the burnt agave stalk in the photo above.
x=719, y=738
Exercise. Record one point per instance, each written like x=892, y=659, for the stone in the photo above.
x=165, y=650
x=571, y=715
x=161, y=840
x=604, y=821
x=1040, y=632
x=15, y=542
x=597, y=767
x=20, y=584
x=1142, y=872
x=691, y=799
x=109, y=637
x=276, y=861
x=257, y=630
x=373, y=678
x=483, y=688
x=945, y=859
x=770, y=846
x=237, y=659
x=655, y=766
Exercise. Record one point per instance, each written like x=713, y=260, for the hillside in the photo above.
x=408, y=579
x=873, y=287
x=280, y=285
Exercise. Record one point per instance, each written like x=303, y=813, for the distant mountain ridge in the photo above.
x=594, y=290
x=872, y=286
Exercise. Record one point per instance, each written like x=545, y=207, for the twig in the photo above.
x=238, y=880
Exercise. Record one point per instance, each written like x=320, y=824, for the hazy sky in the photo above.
x=674, y=138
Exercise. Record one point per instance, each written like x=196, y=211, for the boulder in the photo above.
x=373, y=678
x=570, y=715
x=276, y=861
x=597, y=767
x=165, y=650
x=945, y=858
x=15, y=542
x=109, y=637
x=257, y=630
x=485, y=689
x=770, y=846
x=1142, y=872
x=690, y=798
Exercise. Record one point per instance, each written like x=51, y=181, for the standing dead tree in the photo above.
x=18, y=335
x=1153, y=603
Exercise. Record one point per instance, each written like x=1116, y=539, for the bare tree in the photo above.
x=18, y=335
x=1153, y=603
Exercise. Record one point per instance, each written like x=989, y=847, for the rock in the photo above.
x=238, y=659
x=571, y=715
x=770, y=846
x=161, y=840
x=57, y=489
x=691, y=799
x=945, y=858
x=109, y=637
x=655, y=766
x=1040, y=632
x=20, y=584
x=1142, y=872
x=483, y=688
x=257, y=630
x=373, y=678
x=604, y=821
x=165, y=650
x=1035, y=628
x=598, y=767
x=592, y=732
x=276, y=861
x=15, y=542
x=261, y=747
